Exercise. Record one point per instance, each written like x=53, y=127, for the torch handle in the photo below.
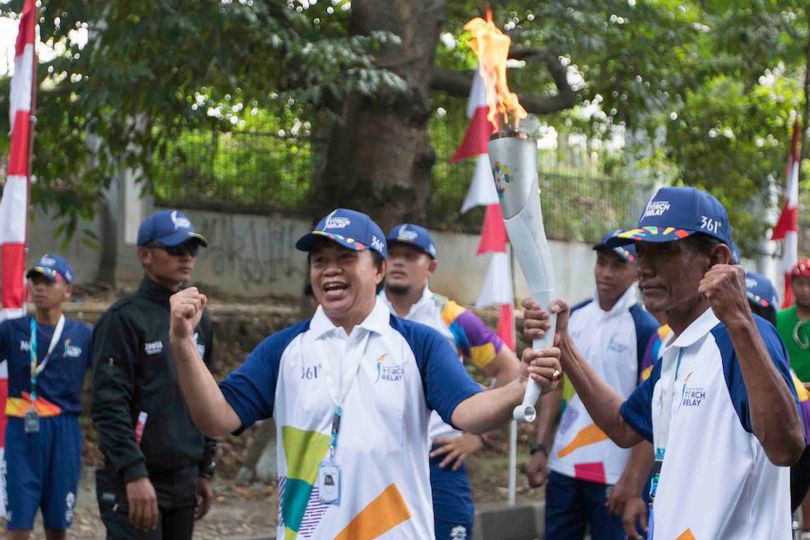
x=526, y=412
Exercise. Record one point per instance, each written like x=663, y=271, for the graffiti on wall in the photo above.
x=252, y=252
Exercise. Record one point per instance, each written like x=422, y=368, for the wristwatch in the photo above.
x=208, y=470
x=538, y=447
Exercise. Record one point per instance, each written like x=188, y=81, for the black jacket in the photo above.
x=133, y=372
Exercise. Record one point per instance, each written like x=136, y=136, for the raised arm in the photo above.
x=774, y=412
x=602, y=402
x=209, y=409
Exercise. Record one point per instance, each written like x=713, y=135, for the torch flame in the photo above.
x=491, y=46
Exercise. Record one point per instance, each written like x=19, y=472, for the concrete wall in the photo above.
x=255, y=256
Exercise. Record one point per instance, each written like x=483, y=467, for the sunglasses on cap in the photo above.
x=191, y=248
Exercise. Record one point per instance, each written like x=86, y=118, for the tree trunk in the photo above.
x=379, y=157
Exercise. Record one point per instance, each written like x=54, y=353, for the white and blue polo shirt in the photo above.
x=613, y=343
x=716, y=481
x=407, y=370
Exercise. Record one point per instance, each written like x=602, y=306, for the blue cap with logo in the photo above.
x=412, y=235
x=760, y=290
x=168, y=228
x=52, y=267
x=627, y=253
x=350, y=229
x=674, y=213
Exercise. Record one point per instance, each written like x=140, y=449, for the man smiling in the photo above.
x=719, y=406
x=351, y=391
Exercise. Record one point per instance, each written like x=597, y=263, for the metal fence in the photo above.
x=249, y=172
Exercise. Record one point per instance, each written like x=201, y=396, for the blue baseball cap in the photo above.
x=627, y=253
x=52, y=267
x=674, y=213
x=760, y=290
x=412, y=235
x=168, y=228
x=349, y=228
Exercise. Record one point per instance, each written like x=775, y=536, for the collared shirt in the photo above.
x=716, y=481
x=613, y=343
x=406, y=370
x=59, y=386
x=473, y=340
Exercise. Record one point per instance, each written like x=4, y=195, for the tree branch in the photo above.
x=458, y=83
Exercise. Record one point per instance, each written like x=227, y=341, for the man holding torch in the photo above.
x=719, y=407
x=351, y=391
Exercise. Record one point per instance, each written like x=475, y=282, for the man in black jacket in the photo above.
x=157, y=469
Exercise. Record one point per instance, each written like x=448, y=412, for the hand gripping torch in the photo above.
x=514, y=167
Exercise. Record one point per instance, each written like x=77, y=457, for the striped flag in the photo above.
x=14, y=204
x=497, y=288
x=787, y=226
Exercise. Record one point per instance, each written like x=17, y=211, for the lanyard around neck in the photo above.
x=352, y=359
x=661, y=433
x=36, y=369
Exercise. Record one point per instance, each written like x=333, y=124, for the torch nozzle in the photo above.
x=524, y=414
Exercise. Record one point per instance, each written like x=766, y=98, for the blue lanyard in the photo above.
x=37, y=369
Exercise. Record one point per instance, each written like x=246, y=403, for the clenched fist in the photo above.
x=186, y=311
x=724, y=288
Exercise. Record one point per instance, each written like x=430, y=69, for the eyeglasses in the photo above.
x=179, y=250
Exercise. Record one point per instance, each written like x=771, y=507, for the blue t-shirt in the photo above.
x=59, y=385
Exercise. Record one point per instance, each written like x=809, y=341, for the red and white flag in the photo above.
x=14, y=204
x=787, y=227
x=497, y=288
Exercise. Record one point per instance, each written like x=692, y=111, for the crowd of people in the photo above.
x=669, y=408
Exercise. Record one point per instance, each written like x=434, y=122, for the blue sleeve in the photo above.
x=733, y=373
x=445, y=381
x=637, y=410
x=646, y=327
x=251, y=389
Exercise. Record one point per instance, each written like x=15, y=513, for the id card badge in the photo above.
x=31, y=421
x=329, y=483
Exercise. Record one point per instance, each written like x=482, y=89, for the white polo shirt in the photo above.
x=613, y=343
x=406, y=370
x=716, y=481
x=467, y=333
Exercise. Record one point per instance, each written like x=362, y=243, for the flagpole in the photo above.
x=32, y=116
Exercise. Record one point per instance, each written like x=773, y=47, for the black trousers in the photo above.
x=176, y=513
x=175, y=524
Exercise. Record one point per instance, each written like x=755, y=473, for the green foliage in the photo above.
x=733, y=141
x=154, y=70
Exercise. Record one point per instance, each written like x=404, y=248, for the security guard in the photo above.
x=155, y=459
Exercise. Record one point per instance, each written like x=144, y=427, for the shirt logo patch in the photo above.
x=691, y=396
x=390, y=372
x=25, y=346
x=458, y=533
x=656, y=208
x=153, y=347
x=619, y=348
x=71, y=351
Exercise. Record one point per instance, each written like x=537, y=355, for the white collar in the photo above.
x=426, y=300
x=377, y=321
x=624, y=303
x=696, y=330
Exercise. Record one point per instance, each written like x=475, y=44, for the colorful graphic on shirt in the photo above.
x=591, y=472
x=588, y=435
x=379, y=362
x=474, y=341
x=17, y=406
x=378, y=517
x=312, y=517
x=686, y=535
x=652, y=351
x=304, y=451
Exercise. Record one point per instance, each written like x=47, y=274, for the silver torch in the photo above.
x=513, y=157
